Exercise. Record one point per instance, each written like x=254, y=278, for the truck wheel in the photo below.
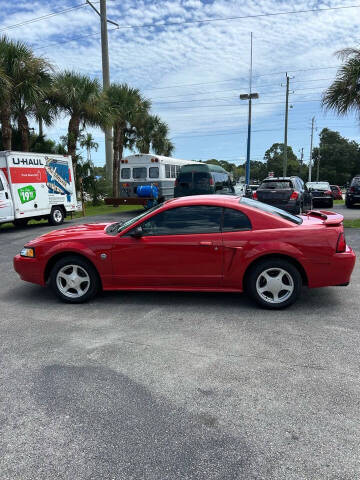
x=56, y=216
x=274, y=283
x=74, y=279
x=21, y=222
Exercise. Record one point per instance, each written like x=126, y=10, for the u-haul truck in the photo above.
x=36, y=186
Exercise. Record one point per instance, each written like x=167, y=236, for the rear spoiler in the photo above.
x=329, y=218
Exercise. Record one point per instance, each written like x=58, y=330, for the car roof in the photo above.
x=278, y=178
x=224, y=200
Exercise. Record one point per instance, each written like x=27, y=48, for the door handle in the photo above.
x=205, y=243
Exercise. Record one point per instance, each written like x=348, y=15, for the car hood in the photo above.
x=77, y=232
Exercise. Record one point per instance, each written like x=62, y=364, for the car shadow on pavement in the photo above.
x=324, y=299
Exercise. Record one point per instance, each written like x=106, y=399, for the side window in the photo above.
x=173, y=171
x=154, y=172
x=1, y=185
x=234, y=220
x=125, y=173
x=167, y=171
x=184, y=220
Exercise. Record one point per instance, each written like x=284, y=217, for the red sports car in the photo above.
x=336, y=192
x=212, y=243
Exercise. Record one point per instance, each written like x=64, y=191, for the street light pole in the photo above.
x=286, y=126
x=249, y=97
x=311, y=146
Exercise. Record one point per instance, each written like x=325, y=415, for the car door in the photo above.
x=179, y=247
x=6, y=204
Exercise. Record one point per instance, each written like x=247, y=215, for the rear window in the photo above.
x=125, y=173
x=270, y=209
x=318, y=185
x=355, y=182
x=154, y=172
x=276, y=185
x=139, y=172
x=185, y=177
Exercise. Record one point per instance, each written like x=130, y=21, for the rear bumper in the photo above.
x=335, y=273
x=324, y=200
x=29, y=269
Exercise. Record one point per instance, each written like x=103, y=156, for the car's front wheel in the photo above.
x=274, y=283
x=74, y=279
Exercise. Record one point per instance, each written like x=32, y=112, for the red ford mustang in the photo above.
x=198, y=243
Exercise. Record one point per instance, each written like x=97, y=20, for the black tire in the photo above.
x=21, y=222
x=67, y=266
x=290, y=278
x=56, y=216
x=348, y=204
x=331, y=204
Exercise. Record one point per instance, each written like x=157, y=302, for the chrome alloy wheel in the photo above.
x=275, y=285
x=73, y=281
x=58, y=216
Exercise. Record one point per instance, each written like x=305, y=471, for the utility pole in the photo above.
x=301, y=155
x=318, y=167
x=286, y=125
x=311, y=146
x=249, y=96
x=106, y=78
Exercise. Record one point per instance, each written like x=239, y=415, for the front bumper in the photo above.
x=29, y=269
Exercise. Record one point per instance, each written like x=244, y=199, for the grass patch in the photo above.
x=354, y=223
x=339, y=202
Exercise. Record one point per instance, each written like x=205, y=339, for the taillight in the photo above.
x=294, y=196
x=341, y=243
x=328, y=192
x=211, y=181
x=254, y=195
x=176, y=182
x=352, y=189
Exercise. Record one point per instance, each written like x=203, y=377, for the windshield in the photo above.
x=276, y=184
x=116, y=228
x=318, y=185
x=270, y=209
x=355, y=182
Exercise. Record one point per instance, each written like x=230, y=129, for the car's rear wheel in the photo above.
x=274, y=283
x=21, y=222
x=348, y=204
x=331, y=204
x=74, y=279
x=56, y=216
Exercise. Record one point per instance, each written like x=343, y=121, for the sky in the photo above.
x=193, y=72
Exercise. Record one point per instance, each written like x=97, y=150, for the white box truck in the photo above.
x=36, y=186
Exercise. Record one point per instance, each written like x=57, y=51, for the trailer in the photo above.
x=36, y=186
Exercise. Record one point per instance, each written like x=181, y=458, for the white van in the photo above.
x=148, y=169
x=36, y=186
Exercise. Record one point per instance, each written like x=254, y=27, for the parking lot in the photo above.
x=177, y=385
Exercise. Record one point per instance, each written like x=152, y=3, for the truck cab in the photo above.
x=6, y=203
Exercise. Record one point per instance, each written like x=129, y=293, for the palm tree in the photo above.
x=78, y=96
x=89, y=143
x=29, y=97
x=127, y=107
x=343, y=95
x=153, y=132
x=17, y=61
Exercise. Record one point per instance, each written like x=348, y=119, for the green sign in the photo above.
x=27, y=194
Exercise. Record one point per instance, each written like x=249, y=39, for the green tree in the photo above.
x=80, y=97
x=274, y=161
x=153, y=133
x=338, y=159
x=343, y=95
x=87, y=141
x=128, y=108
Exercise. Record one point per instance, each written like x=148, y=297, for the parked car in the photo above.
x=321, y=194
x=202, y=179
x=336, y=192
x=217, y=243
x=352, y=195
x=288, y=193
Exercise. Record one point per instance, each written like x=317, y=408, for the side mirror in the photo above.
x=137, y=232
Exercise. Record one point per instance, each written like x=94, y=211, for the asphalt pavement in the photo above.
x=162, y=386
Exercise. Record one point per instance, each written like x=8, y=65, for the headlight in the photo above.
x=28, y=252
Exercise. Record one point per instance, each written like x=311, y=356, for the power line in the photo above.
x=43, y=17
x=241, y=17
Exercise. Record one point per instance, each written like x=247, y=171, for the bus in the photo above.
x=145, y=177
